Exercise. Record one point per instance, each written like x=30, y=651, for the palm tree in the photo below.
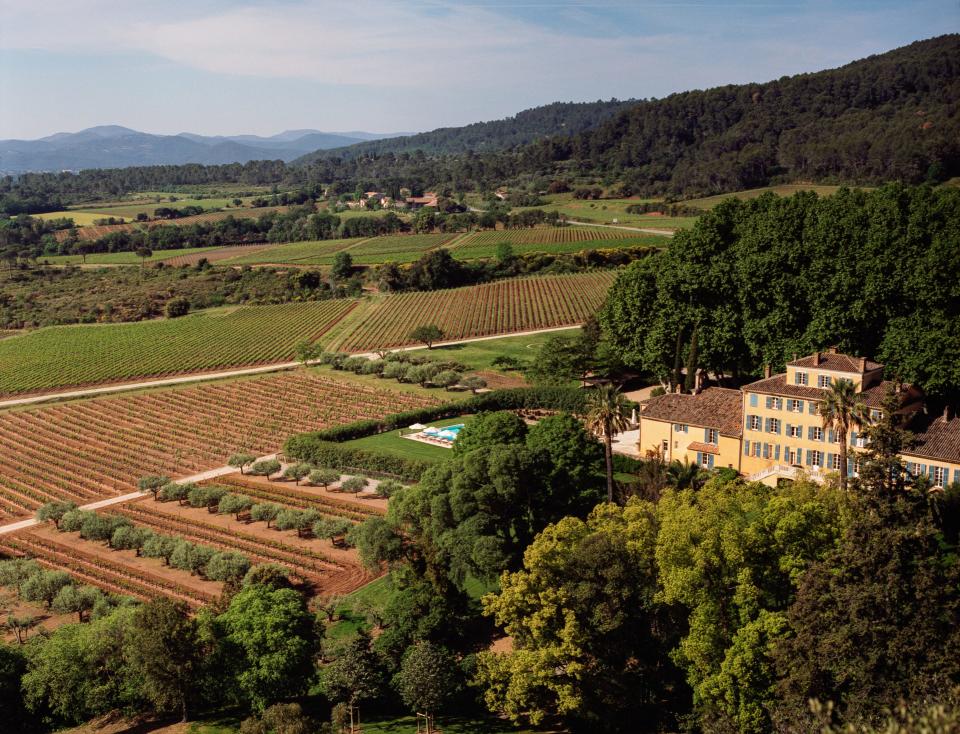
x=685, y=475
x=842, y=409
x=608, y=414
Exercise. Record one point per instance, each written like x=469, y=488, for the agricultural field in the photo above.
x=708, y=202
x=80, y=219
x=85, y=450
x=363, y=250
x=129, y=210
x=611, y=211
x=61, y=356
x=125, y=258
x=551, y=240
x=96, y=231
x=494, y=308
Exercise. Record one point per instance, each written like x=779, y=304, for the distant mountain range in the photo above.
x=113, y=146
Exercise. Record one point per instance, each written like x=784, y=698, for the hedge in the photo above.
x=307, y=447
x=322, y=448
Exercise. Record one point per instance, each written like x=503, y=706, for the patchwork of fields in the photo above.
x=61, y=356
x=363, y=250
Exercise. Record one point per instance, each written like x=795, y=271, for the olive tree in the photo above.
x=446, y=379
x=44, y=586
x=54, y=511
x=265, y=468
x=127, y=537
x=324, y=477
x=239, y=461
x=331, y=527
x=227, y=566
x=387, y=488
x=354, y=484
x=473, y=383
x=152, y=484
x=296, y=472
x=234, y=504
x=428, y=334
x=265, y=512
x=79, y=600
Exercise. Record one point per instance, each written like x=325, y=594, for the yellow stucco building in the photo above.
x=779, y=432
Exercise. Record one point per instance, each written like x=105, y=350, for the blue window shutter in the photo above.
x=829, y=461
x=812, y=407
x=956, y=475
x=746, y=448
x=706, y=435
x=853, y=438
x=776, y=452
x=788, y=428
x=930, y=470
x=809, y=433
x=753, y=400
x=710, y=460
x=831, y=436
x=850, y=467
x=699, y=458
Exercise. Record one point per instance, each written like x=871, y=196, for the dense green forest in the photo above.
x=559, y=118
x=754, y=282
x=888, y=117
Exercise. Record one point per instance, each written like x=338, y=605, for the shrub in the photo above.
x=72, y=521
x=287, y=519
x=206, y=496
x=175, y=491
x=446, y=379
x=177, y=307
x=127, y=537
x=355, y=364
x=331, y=527
x=473, y=383
x=101, y=527
x=159, y=545
x=394, y=370
x=373, y=367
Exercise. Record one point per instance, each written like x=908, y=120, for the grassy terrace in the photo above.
x=122, y=258
x=393, y=443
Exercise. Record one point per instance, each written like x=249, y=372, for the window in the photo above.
x=875, y=414
x=795, y=406
x=713, y=436
x=823, y=381
x=794, y=431
x=815, y=433
x=774, y=425
x=753, y=400
x=938, y=476
x=774, y=403
x=753, y=422
x=835, y=462
x=665, y=446
x=813, y=408
x=800, y=378
x=680, y=427
x=705, y=460
x=815, y=458
x=756, y=448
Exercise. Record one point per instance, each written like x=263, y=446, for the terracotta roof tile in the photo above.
x=777, y=385
x=707, y=448
x=715, y=407
x=835, y=362
x=937, y=439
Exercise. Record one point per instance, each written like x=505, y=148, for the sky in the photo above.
x=236, y=66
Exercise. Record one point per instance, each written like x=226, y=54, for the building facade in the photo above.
x=781, y=432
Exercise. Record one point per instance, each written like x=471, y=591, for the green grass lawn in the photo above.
x=392, y=443
x=130, y=210
x=378, y=723
x=480, y=355
x=80, y=219
x=605, y=211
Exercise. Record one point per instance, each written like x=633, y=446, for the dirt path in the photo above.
x=262, y=369
x=209, y=474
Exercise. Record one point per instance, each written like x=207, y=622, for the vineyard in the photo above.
x=494, y=308
x=87, y=450
x=62, y=356
x=364, y=251
x=550, y=240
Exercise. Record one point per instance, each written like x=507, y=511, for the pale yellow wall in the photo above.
x=654, y=432
x=813, y=373
x=952, y=469
x=752, y=463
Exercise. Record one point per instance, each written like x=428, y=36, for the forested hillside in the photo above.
x=557, y=119
x=887, y=117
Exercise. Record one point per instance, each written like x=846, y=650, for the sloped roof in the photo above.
x=937, y=439
x=778, y=385
x=715, y=407
x=834, y=362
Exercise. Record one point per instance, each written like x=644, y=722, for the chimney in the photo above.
x=832, y=350
x=767, y=371
x=794, y=356
x=863, y=364
x=947, y=414
x=816, y=359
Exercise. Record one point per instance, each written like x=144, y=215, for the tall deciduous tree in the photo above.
x=166, y=649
